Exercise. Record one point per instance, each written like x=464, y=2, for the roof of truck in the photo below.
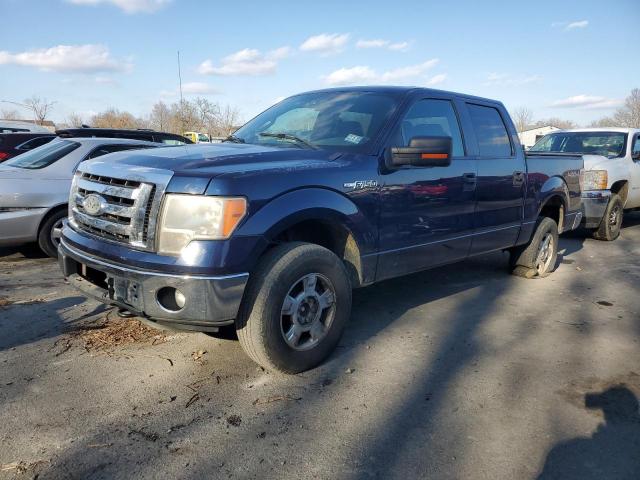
x=603, y=129
x=396, y=89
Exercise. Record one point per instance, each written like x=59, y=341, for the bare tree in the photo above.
x=229, y=121
x=113, y=118
x=160, y=118
x=10, y=114
x=629, y=114
x=74, y=120
x=523, y=118
x=40, y=107
x=556, y=122
x=603, y=122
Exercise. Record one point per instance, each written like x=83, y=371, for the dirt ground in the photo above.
x=463, y=372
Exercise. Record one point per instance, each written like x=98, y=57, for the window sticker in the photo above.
x=352, y=138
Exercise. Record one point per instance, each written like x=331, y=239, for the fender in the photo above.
x=554, y=186
x=311, y=204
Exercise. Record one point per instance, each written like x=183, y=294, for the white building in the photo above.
x=528, y=138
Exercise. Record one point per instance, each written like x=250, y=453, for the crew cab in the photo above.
x=612, y=173
x=323, y=192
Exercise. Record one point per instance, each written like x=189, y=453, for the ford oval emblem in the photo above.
x=93, y=204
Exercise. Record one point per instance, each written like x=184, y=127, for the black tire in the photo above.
x=537, y=258
x=262, y=320
x=611, y=223
x=48, y=235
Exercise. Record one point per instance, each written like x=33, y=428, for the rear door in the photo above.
x=634, y=192
x=501, y=179
x=426, y=213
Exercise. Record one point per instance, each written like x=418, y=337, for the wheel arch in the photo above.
x=320, y=216
x=621, y=188
x=55, y=209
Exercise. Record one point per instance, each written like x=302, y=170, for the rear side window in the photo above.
x=43, y=156
x=34, y=142
x=432, y=118
x=105, y=149
x=493, y=139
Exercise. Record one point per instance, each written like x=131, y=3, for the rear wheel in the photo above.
x=297, y=303
x=611, y=223
x=51, y=232
x=538, y=257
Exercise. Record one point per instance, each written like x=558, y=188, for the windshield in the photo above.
x=608, y=144
x=335, y=120
x=43, y=156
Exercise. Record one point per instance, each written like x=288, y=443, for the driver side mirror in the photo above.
x=423, y=152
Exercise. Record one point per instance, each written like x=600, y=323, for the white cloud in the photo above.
x=68, y=58
x=198, y=88
x=105, y=80
x=325, y=43
x=571, y=25
x=436, y=79
x=128, y=6
x=590, y=102
x=379, y=43
x=508, y=80
x=367, y=75
x=248, y=61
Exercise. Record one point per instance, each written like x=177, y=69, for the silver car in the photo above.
x=34, y=188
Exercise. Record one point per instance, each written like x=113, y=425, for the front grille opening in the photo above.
x=103, y=233
x=94, y=276
x=147, y=215
x=119, y=182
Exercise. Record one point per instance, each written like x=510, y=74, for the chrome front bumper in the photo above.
x=208, y=301
x=594, y=204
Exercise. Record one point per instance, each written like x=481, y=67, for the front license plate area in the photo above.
x=124, y=290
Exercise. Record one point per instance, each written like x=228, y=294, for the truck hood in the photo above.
x=217, y=159
x=596, y=162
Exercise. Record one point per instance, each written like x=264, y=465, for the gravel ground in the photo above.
x=463, y=372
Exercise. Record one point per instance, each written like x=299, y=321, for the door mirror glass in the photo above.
x=423, y=152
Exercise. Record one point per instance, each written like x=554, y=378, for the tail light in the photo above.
x=3, y=156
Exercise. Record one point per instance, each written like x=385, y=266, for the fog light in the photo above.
x=171, y=299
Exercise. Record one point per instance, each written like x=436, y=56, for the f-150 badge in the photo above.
x=360, y=184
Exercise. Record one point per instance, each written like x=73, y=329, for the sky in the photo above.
x=575, y=60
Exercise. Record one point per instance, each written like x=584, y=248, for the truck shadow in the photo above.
x=611, y=452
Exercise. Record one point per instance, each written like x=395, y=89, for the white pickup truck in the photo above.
x=612, y=173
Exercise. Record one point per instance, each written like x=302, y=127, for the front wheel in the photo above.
x=611, y=223
x=538, y=257
x=51, y=232
x=296, y=305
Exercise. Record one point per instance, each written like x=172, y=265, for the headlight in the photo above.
x=197, y=217
x=595, y=180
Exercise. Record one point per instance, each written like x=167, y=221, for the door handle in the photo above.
x=469, y=178
x=518, y=178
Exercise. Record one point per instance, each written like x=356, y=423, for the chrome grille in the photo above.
x=129, y=206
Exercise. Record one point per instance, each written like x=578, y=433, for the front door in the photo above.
x=426, y=213
x=633, y=201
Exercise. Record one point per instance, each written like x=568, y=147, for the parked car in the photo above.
x=34, y=188
x=134, y=134
x=196, y=137
x=16, y=126
x=13, y=144
x=612, y=173
x=323, y=192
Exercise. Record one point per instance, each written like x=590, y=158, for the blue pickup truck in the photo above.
x=326, y=191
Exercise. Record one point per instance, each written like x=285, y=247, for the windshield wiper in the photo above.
x=288, y=136
x=234, y=139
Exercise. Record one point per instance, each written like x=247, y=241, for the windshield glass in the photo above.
x=334, y=120
x=608, y=144
x=43, y=156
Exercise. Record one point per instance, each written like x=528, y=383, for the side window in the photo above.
x=635, y=152
x=105, y=149
x=431, y=118
x=493, y=139
x=35, y=142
